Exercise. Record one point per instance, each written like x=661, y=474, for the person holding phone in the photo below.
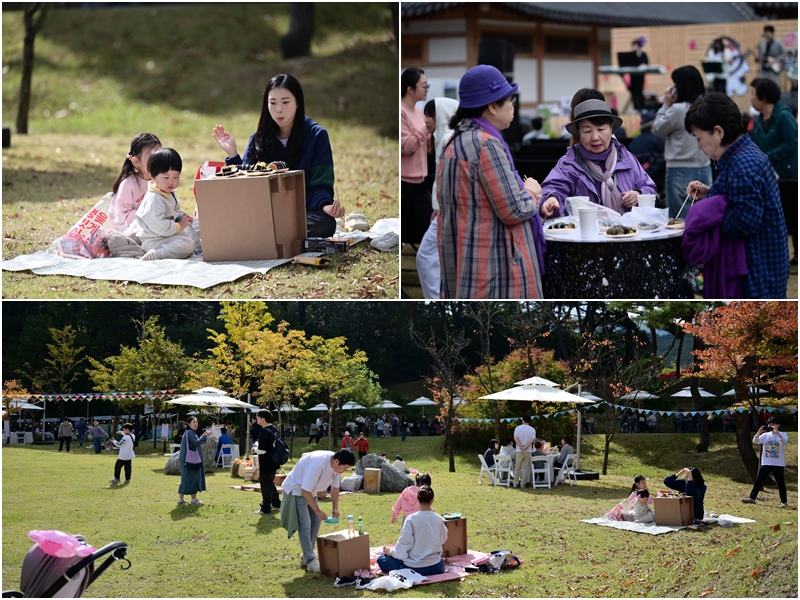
x=772, y=460
x=685, y=161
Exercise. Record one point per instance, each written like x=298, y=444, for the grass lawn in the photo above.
x=223, y=550
x=99, y=80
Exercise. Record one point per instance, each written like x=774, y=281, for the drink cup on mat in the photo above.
x=647, y=200
x=587, y=219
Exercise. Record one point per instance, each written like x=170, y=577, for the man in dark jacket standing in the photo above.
x=266, y=467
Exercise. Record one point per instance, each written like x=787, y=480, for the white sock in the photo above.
x=151, y=255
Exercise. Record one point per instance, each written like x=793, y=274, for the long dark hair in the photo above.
x=689, y=83
x=139, y=144
x=266, y=136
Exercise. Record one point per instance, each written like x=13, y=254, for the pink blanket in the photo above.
x=454, y=566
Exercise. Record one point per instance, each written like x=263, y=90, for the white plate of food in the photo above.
x=676, y=224
x=624, y=232
x=559, y=230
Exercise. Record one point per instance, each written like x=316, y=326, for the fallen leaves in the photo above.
x=732, y=552
x=705, y=593
x=756, y=572
x=776, y=528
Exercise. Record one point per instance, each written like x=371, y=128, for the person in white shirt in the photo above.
x=772, y=460
x=314, y=472
x=126, y=454
x=421, y=540
x=524, y=436
x=400, y=464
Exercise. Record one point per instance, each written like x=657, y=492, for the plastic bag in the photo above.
x=561, y=225
x=645, y=218
x=88, y=237
x=605, y=216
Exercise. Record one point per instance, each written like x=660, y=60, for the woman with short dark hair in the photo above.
x=746, y=178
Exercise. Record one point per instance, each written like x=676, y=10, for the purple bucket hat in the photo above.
x=483, y=85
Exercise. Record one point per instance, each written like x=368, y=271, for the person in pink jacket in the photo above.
x=131, y=185
x=415, y=193
x=407, y=503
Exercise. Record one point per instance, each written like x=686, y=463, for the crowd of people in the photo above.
x=479, y=224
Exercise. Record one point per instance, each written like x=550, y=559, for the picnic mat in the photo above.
x=652, y=528
x=191, y=272
x=453, y=571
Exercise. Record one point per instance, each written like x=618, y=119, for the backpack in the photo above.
x=280, y=451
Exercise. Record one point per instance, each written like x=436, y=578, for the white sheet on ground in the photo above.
x=652, y=528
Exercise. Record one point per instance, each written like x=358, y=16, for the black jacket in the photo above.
x=266, y=441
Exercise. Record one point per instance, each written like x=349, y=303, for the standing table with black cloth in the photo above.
x=647, y=265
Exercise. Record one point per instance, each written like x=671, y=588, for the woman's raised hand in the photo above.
x=225, y=141
x=697, y=188
x=335, y=210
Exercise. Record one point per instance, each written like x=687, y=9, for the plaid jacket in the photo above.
x=754, y=215
x=486, y=245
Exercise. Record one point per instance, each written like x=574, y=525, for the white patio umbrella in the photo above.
x=423, y=402
x=687, y=393
x=590, y=396
x=639, y=395
x=387, y=404
x=22, y=405
x=319, y=406
x=289, y=408
x=211, y=390
x=751, y=389
x=537, y=381
x=352, y=406
x=541, y=393
x=216, y=401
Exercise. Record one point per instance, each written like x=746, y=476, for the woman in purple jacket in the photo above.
x=598, y=166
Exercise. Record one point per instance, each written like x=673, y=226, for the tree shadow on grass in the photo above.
x=220, y=58
x=50, y=186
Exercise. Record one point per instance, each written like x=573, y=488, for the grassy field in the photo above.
x=223, y=550
x=99, y=80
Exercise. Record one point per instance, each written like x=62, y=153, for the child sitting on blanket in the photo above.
x=131, y=185
x=639, y=483
x=160, y=224
x=641, y=511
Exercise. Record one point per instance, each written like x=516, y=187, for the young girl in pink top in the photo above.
x=408, y=503
x=639, y=483
x=131, y=185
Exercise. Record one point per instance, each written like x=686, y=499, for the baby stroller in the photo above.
x=48, y=576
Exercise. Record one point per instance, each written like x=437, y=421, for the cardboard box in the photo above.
x=341, y=555
x=675, y=510
x=372, y=481
x=456, y=537
x=252, y=218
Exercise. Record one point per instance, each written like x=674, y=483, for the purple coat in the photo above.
x=569, y=179
x=724, y=260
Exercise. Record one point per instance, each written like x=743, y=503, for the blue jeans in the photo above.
x=676, y=182
x=390, y=563
x=97, y=443
x=309, y=524
x=81, y=437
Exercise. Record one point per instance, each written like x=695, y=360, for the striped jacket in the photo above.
x=486, y=245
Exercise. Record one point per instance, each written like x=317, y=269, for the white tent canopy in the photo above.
x=289, y=408
x=387, y=404
x=319, y=407
x=423, y=402
x=751, y=389
x=639, y=395
x=22, y=405
x=537, y=381
x=352, y=406
x=687, y=393
x=210, y=401
x=590, y=396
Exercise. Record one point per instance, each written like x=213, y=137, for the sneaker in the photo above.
x=114, y=480
x=127, y=481
x=303, y=559
x=344, y=581
x=261, y=512
x=197, y=502
x=313, y=566
x=181, y=502
x=784, y=505
x=749, y=500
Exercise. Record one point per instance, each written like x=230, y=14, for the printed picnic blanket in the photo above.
x=453, y=572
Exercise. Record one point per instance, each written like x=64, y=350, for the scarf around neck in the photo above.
x=610, y=196
x=537, y=227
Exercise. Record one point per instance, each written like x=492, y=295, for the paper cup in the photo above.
x=587, y=220
x=647, y=200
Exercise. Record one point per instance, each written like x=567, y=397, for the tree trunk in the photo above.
x=32, y=27
x=744, y=442
x=395, y=8
x=301, y=29
x=605, y=454
x=697, y=400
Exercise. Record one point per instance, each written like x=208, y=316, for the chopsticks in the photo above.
x=693, y=197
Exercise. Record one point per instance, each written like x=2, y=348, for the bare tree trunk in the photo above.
x=32, y=26
x=744, y=442
x=697, y=401
x=395, y=8
x=301, y=29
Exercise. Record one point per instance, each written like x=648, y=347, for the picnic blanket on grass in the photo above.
x=654, y=529
x=453, y=571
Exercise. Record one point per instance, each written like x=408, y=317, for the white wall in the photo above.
x=447, y=50
x=565, y=77
x=526, y=72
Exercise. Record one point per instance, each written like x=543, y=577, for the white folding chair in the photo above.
x=225, y=460
x=567, y=471
x=504, y=469
x=540, y=465
x=490, y=471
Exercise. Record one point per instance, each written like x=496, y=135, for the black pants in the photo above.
x=361, y=454
x=118, y=468
x=65, y=438
x=269, y=493
x=415, y=211
x=320, y=224
x=637, y=86
x=777, y=473
x=721, y=85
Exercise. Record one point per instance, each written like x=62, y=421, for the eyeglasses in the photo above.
x=513, y=100
x=426, y=86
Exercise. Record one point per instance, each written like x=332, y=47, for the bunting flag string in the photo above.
x=161, y=394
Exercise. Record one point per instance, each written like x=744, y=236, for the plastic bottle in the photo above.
x=360, y=525
x=351, y=526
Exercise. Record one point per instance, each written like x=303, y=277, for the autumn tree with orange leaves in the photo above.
x=749, y=344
